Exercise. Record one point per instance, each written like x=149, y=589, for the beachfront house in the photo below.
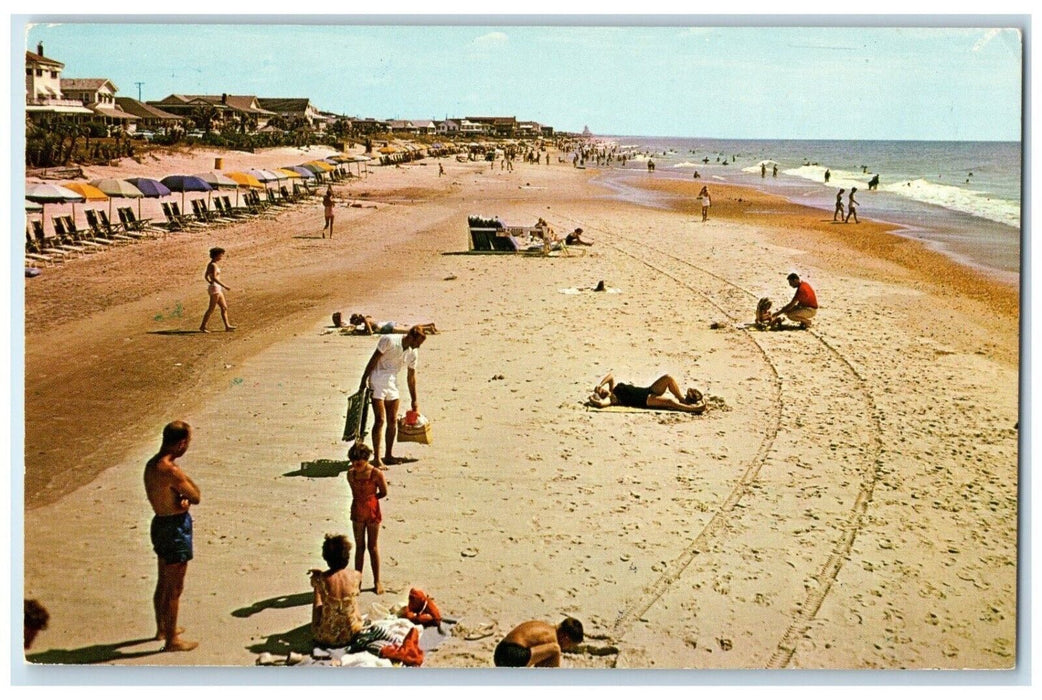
x=99, y=96
x=296, y=112
x=412, y=126
x=369, y=125
x=150, y=118
x=218, y=112
x=497, y=126
x=43, y=91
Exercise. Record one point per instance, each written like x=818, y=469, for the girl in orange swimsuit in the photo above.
x=368, y=486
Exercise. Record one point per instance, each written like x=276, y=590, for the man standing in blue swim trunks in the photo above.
x=170, y=492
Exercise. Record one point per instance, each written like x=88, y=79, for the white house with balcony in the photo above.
x=43, y=89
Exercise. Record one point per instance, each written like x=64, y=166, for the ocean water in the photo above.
x=960, y=198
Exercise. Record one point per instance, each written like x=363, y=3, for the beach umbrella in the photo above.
x=116, y=188
x=33, y=206
x=264, y=176
x=218, y=181
x=288, y=173
x=388, y=149
x=245, y=180
x=153, y=189
x=45, y=193
x=302, y=171
x=314, y=169
x=185, y=183
x=90, y=193
x=322, y=165
x=149, y=187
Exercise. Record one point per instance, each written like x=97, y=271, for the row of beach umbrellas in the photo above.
x=39, y=195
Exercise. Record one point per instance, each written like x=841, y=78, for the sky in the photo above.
x=690, y=78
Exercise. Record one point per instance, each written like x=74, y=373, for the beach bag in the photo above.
x=418, y=431
x=357, y=415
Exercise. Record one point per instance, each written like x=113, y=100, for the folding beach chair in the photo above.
x=357, y=415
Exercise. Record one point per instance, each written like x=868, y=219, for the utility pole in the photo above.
x=139, y=91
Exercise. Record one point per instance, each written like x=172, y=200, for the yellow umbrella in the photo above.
x=288, y=173
x=388, y=149
x=90, y=193
x=244, y=180
x=322, y=164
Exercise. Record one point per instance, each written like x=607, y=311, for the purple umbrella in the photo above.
x=153, y=189
x=302, y=171
x=149, y=187
x=186, y=183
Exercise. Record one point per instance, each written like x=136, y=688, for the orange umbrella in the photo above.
x=89, y=193
x=245, y=180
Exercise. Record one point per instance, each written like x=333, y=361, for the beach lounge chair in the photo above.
x=490, y=235
x=55, y=242
x=275, y=201
x=243, y=212
x=100, y=232
x=48, y=246
x=83, y=238
x=184, y=218
x=64, y=240
x=135, y=227
x=34, y=254
x=202, y=214
x=286, y=196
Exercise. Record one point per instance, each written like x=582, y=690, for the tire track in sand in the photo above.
x=800, y=363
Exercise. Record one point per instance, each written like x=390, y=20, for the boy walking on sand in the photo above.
x=170, y=492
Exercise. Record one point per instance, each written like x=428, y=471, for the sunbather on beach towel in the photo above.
x=368, y=326
x=609, y=393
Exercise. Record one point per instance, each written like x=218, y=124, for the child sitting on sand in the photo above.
x=763, y=314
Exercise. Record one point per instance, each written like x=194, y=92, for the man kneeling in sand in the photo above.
x=536, y=643
x=608, y=393
x=802, y=308
x=170, y=492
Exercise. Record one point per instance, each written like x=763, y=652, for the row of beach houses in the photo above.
x=95, y=100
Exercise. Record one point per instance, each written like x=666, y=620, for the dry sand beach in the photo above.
x=849, y=501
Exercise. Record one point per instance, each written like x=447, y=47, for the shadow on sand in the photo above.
x=321, y=468
x=280, y=644
x=97, y=654
x=293, y=600
x=176, y=332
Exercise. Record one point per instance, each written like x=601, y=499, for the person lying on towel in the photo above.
x=609, y=393
x=366, y=325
